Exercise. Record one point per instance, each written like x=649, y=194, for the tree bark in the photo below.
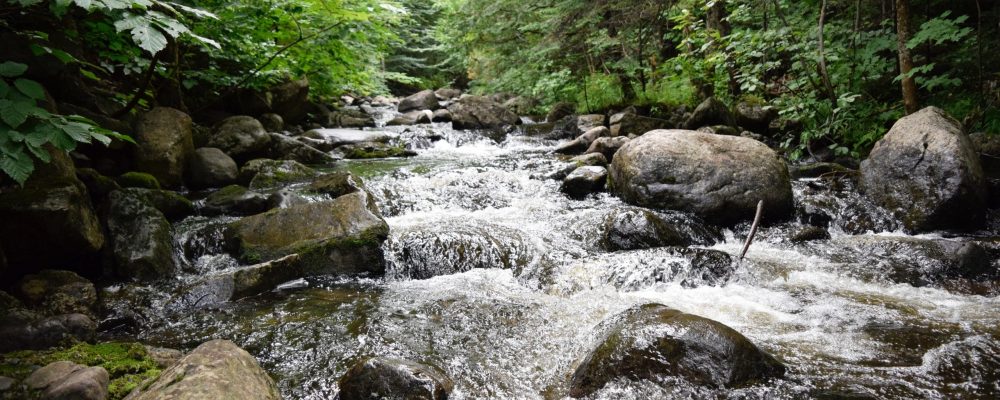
x=905, y=59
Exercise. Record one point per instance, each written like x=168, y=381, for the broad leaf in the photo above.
x=14, y=113
x=11, y=69
x=149, y=38
x=30, y=88
x=41, y=153
x=17, y=165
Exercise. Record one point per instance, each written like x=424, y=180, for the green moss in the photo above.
x=362, y=152
x=128, y=364
x=138, y=180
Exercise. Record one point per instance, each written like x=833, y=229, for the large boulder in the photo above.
x=389, y=378
x=710, y=112
x=163, y=144
x=654, y=342
x=49, y=221
x=66, y=380
x=559, y=111
x=630, y=228
x=447, y=93
x=340, y=236
x=607, y=146
x=926, y=172
x=242, y=137
x=478, y=112
x=210, y=167
x=917, y=261
x=720, y=178
x=584, y=181
x=141, y=243
x=214, y=370
x=329, y=139
x=423, y=100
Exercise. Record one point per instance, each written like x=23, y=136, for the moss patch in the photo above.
x=128, y=364
x=138, y=180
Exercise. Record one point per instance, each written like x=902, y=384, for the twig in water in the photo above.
x=753, y=229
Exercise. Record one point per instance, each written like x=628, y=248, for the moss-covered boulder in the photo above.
x=654, y=341
x=163, y=144
x=214, y=370
x=141, y=244
x=390, y=378
x=265, y=173
x=49, y=221
x=340, y=236
x=142, y=180
x=336, y=184
x=55, y=292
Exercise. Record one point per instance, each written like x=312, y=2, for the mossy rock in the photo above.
x=128, y=364
x=364, y=151
x=265, y=173
x=138, y=180
x=98, y=186
x=173, y=205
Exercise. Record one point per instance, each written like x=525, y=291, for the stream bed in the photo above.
x=533, y=285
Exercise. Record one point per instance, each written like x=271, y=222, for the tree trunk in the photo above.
x=905, y=60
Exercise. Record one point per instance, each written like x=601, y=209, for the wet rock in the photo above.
x=809, y=234
x=401, y=120
x=98, y=186
x=336, y=184
x=55, y=292
x=916, y=261
x=423, y=100
x=689, y=266
x=582, y=142
x=265, y=173
x=442, y=115
x=631, y=228
x=6, y=383
x=590, y=121
x=607, y=146
x=236, y=283
x=163, y=357
x=214, y=370
x=451, y=247
x=627, y=124
x=654, y=341
x=755, y=117
x=363, y=151
x=236, y=200
x=719, y=178
x=583, y=181
x=340, y=236
x=726, y=130
x=350, y=119
x=330, y=139
x=286, y=148
x=971, y=366
x=395, y=379
x=210, y=167
x=24, y=330
x=420, y=117
x=272, y=122
x=542, y=129
x=52, y=208
x=559, y=111
x=820, y=169
x=173, y=206
x=163, y=144
x=285, y=198
x=140, y=237
x=988, y=147
x=926, y=172
x=710, y=112
x=447, y=93
x=243, y=138
x=140, y=180
x=478, y=112
x=591, y=159
x=64, y=380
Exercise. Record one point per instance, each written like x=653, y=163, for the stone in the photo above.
x=423, y=100
x=820, y=169
x=363, y=151
x=583, y=181
x=435, y=249
x=241, y=137
x=350, y=118
x=25, y=330
x=98, y=186
x=173, y=205
x=559, y=111
x=917, y=261
x=141, y=242
x=420, y=117
x=654, y=341
x=590, y=121
x=264, y=173
x=447, y=93
x=521, y=105
x=272, y=122
x=236, y=200
x=211, y=167
x=56, y=292
x=628, y=124
x=141, y=180
x=389, y=378
x=710, y=112
x=591, y=159
x=89, y=383
x=631, y=228
x=582, y=142
x=401, y=120
x=719, y=178
x=217, y=369
x=441, y=115
x=163, y=144
x=755, y=117
x=287, y=148
x=340, y=236
x=926, y=172
x=478, y=112
x=336, y=184
x=809, y=234
x=607, y=146
x=329, y=139
x=50, y=374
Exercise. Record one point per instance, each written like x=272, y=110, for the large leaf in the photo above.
x=14, y=113
x=197, y=12
x=17, y=165
x=130, y=21
x=149, y=38
x=11, y=69
x=30, y=88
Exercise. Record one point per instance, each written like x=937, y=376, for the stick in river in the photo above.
x=753, y=229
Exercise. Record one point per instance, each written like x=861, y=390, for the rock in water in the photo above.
x=926, y=172
x=341, y=236
x=583, y=181
x=720, y=178
x=141, y=240
x=423, y=100
x=631, y=228
x=210, y=167
x=478, y=112
x=215, y=370
x=163, y=144
x=653, y=340
x=242, y=137
x=386, y=378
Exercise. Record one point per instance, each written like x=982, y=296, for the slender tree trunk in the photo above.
x=905, y=60
x=823, y=74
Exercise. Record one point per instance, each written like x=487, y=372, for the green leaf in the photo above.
x=11, y=69
x=40, y=153
x=17, y=165
x=149, y=38
x=79, y=131
x=14, y=113
x=130, y=21
x=30, y=88
x=84, y=4
x=4, y=89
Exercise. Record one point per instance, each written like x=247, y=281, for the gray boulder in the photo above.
x=423, y=100
x=720, y=178
x=583, y=181
x=140, y=236
x=587, y=122
x=630, y=228
x=211, y=167
x=441, y=115
x=582, y=142
x=654, y=342
x=242, y=137
x=272, y=122
x=388, y=378
x=214, y=370
x=235, y=200
x=65, y=380
x=265, y=173
x=329, y=139
x=607, y=146
x=710, y=112
x=163, y=144
x=630, y=124
x=590, y=159
x=350, y=119
x=478, y=112
x=926, y=172
x=287, y=148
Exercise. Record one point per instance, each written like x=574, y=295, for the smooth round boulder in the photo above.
x=211, y=167
x=242, y=137
x=163, y=144
x=387, y=378
x=583, y=181
x=423, y=100
x=719, y=178
x=652, y=341
x=927, y=173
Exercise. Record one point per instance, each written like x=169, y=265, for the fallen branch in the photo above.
x=753, y=229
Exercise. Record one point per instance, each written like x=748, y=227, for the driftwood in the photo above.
x=753, y=229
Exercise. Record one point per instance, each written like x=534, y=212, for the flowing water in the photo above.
x=525, y=286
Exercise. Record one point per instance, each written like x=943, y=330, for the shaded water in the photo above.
x=533, y=285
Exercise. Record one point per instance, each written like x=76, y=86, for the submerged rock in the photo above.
x=451, y=247
x=720, y=178
x=243, y=138
x=688, y=266
x=388, y=378
x=654, y=341
x=927, y=173
x=163, y=144
x=214, y=370
x=478, y=112
x=364, y=151
x=631, y=228
x=917, y=261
